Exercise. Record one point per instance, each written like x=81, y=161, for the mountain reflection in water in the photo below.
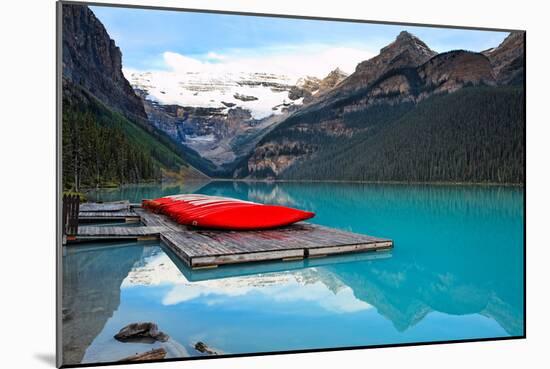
x=455, y=273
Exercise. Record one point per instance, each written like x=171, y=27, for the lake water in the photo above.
x=456, y=272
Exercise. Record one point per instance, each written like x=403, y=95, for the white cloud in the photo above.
x=279, y=288
x=294, y=61
x=210, y=79
x=214, y=56
x=292, y=286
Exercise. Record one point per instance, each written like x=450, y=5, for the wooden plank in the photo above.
x=148, y=238
x=107, y=214
x=207, y=248
x=71, y=205
x=165, y=238
x=324, y=251
x=105, y=207
x=245, y=257
x=151, y=219
x=244, y=269
x=294, y=258
x=118, y=232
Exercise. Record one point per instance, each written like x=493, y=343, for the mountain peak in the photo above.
x=336, y=73
x=331, y=80
x=516, y=37
x=406, y=50
x=507, y=59
x=407, y=41
x=404, y=35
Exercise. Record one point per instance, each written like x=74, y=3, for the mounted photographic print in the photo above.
x=251, y=184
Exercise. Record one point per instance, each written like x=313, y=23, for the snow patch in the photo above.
x=206, y=138
x=209, y=90
x=266, y=74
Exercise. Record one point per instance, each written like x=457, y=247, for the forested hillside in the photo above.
x=102, y=147
x=473, y=135
x=106, y=138
x=408, y=115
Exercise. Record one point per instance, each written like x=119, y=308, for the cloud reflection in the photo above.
x=306, y=285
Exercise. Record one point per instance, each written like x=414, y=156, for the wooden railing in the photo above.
x=71, y=207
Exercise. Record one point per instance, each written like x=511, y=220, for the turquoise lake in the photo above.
x=456, y=272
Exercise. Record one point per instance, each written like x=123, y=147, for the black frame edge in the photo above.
x=291, y=16
x=58, y=185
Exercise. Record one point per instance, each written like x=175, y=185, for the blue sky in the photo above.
x=145, y=36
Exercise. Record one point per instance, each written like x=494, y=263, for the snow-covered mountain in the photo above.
x=222, y=115
x=262, y=94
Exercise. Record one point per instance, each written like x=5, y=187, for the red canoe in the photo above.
x=225, y=213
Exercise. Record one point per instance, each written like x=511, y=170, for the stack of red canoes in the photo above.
x=224, y=213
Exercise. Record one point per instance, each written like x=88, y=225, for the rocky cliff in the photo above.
x=92, y=60
x=107, y=138
x=309, y=88
x=406, y=51
x=223, y=117
x=508, y=59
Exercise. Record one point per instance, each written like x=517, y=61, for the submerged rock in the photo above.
x=142, y=332
x=156, y=354
x=204, y=349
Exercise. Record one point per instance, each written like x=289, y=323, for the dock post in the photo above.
x=71, y=208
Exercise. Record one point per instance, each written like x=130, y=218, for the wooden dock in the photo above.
x=200, y=248
x=120, y=211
